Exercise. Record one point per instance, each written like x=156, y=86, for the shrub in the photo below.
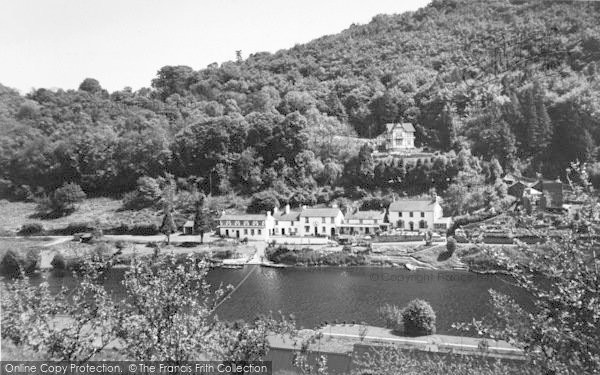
x=73, y=228
x=418, y=318
x=392, y=315
x=145, y=229
x=62, y=201
x=450, y=245
x=31, y=229
x=61, y=262
x=16, y=263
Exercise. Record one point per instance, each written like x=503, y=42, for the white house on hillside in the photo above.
x=417, y=214
x=400, y=137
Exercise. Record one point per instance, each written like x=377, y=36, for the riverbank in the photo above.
x=231, y=253
x=343, y=338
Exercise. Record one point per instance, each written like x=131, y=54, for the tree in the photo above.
x=200, y=221
x=62, y=201
x=418, y=318
x=90, y=85
x=147, y=193
x=263, y=201
x=450, y=245
x=168, y=226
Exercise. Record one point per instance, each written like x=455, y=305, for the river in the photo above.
x=317, y=295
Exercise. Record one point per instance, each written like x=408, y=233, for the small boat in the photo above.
x=232, y=266
x=274, y=265
x=410, y=267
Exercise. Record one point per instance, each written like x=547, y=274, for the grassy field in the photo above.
x=15, y=214
x=102, y=212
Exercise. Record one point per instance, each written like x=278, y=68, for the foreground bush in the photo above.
x=418, y=318
x=15, y=263
x=392, y=315
x=186, y=304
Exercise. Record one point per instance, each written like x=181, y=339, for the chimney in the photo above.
x=268, y=213
x=275, y=210
x=334, y=205
x=303, y=208
x=287, y=209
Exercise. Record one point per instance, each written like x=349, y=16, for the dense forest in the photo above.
x=492, y=86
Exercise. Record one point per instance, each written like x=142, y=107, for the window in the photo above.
x=367, y=230
x=245, y=231
x=292, y=223
x=332, y=220
x=260, y=222
x=400, y=213
x=306, y=220
x=276, y=222
x=422, y=224
x=307, y=229
x=324, y=230
x=259, y=232
x=237, y=222
x=245, y=222
x=252, y=232
x=422, y=214
x=410, y=214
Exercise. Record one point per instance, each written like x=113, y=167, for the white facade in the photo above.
x=417, y=214
x=286, y=222
x=400, y=137
x=241, y=226
x=364, y=222
x=319, y=221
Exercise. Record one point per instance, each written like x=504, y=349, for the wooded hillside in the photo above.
x=514, y=83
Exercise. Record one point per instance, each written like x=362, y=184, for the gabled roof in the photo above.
x=367, y=215
x=291, y=216
x=242, y=217
x=320, y=212
x=406, y=126
x=402, y=205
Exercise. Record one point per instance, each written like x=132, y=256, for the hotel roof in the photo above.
x=425, y=204
x=320, y=212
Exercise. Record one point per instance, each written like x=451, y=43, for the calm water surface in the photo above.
x=316, y=295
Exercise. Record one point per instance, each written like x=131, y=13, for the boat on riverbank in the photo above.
x=274, y=265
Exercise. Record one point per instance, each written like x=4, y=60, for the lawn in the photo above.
x=105, y=213
x=15, y=214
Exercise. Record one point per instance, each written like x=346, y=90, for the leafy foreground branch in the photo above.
x=561, y=333
x=167, y=315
